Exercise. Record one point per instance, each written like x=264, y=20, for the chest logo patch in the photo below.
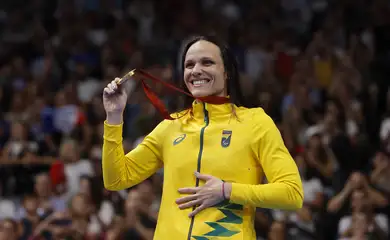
x=179, y=139
x=226, y=138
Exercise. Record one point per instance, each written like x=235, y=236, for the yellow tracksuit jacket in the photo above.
x=239, y=148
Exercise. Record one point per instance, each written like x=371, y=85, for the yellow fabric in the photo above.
x=238, y=149
x=323, y=71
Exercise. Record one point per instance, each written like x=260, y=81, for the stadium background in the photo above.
x=320, y=68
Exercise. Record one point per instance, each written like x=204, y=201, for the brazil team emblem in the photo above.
x=179, y=139
x=226, y=138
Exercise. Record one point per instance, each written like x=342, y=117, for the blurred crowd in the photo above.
x=319, y=68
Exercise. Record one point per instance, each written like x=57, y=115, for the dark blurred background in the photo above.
x=320, y=68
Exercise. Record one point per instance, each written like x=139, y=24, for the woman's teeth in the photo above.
x=197, y=83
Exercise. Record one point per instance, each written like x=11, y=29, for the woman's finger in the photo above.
x=198, y=210
x=114, y=85
x=190, y=190
x=107, y=91
x=192, y=203
x=186, y=199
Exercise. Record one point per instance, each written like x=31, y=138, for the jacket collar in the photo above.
x=214, y=112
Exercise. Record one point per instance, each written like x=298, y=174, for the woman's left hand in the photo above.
x=204, y=196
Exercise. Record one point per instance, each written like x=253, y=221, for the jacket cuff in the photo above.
x=113, y=133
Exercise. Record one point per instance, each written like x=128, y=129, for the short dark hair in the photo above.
x=230, y=64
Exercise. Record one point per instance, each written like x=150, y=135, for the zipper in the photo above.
x=206, y=121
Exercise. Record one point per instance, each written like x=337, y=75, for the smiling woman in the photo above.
x=210, y=69
x=204, y=73
x=214, y=157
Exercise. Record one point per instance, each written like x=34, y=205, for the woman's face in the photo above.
x=204, y=72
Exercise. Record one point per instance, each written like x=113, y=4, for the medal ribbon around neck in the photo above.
x=156, y=101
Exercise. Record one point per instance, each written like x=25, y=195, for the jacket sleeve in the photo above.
x=120, y=170
x=284, y=188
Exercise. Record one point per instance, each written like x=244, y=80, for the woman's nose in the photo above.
x=196, y=70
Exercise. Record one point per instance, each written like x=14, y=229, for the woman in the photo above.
x=228, y=146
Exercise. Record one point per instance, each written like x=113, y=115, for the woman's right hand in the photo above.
x=114, y=98
x=114, y=101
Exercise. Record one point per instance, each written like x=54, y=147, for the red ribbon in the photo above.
x=159, y=105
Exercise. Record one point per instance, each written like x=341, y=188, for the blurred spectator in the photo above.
x=46, y=200
x=362, y=210
x=79, y=222
x=357, y=181
x=74, y=166
x=380, y=174
x=92, y=188
x=277, y=231
x=31, y=217
x=18, y=145
x=7, y=207
x=8, y=229
x=137, y=222
x=320, y=160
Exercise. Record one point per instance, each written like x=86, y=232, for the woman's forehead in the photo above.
x=202, y=49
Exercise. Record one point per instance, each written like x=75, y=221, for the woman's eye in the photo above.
x=207, y=62
x=189, y=65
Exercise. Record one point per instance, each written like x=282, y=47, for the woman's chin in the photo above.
x=198, y=93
